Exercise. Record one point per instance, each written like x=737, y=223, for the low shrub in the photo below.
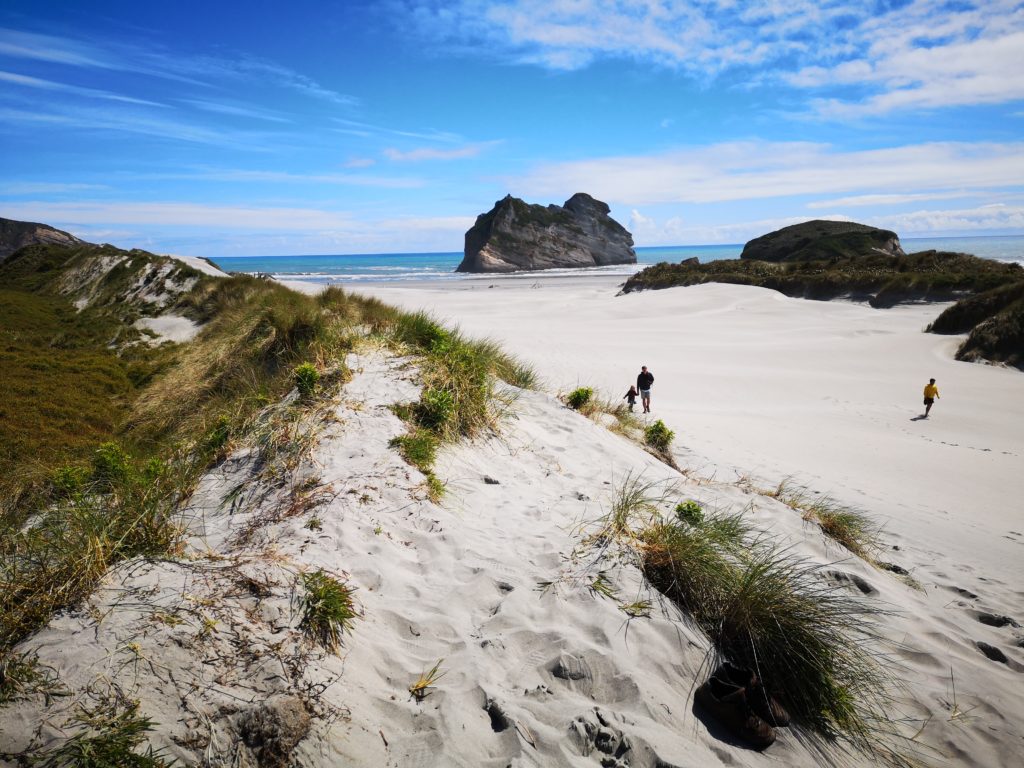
x=436, y=409
x=306, y=379
x=110, y=466
x=689, y=512
x=579, y=397
x=658, y=436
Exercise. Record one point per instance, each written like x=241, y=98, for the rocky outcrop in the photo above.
x=515, y=236
x=819, y=239
x=15, y=235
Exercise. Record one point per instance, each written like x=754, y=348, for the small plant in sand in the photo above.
x=579, y=397
x=658, y=436
x=689, y=512
x=110, y=733
x=307, y=377
x=327, y=609
x=22, y=675
x=420, y=689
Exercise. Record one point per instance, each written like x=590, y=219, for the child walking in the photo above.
x=630, y=397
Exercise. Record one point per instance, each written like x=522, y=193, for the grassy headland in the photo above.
x=988, y=293
x=105, y=435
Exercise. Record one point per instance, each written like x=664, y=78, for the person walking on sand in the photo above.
x=630, y=397
x=643, y=383
x=931, y=392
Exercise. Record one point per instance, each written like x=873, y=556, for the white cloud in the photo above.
x=885, y=199
x=46, y=188
x=760, y=170
x=49, y=85
x=922, y=54
x=436, y=153
x=175, y=214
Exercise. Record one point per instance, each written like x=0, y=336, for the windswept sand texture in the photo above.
x=493, y=581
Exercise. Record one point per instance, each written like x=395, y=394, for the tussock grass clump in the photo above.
x=852, y=528
x=816, y=648
x=327, y=609
x=579, y=397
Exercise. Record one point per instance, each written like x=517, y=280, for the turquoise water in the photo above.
x=392, y=267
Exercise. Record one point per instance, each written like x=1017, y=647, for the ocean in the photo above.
x=398, y=267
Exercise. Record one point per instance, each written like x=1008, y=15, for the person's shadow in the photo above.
x=919, y=417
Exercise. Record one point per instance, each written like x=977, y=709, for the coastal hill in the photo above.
x=515, y=236
x=820, y=239
x=860, y=263
x=15, y=235
x=324, y=531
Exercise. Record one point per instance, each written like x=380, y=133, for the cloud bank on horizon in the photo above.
x=236, y=129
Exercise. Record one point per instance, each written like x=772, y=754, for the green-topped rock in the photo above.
x=819, y=239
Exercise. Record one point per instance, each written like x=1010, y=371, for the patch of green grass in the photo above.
x=852, y=528
x=419, y=448
x=327, y=609
x=579, y=397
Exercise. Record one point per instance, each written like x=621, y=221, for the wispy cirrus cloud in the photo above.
x=47, y=188
x=235, y=110
x=437, y=153
x=203, y=71
x=356, y=128
x=918, y=54
x=180, y=214
x=759, y=170
x=27, y=81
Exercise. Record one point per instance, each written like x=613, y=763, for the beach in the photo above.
x=755, y=384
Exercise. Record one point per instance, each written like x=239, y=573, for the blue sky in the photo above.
x=262, y=128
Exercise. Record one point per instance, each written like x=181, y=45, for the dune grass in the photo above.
x=115, y=493
x=579, y=397
x=817, y=648
x=850, y=527
x=459, y=397
x=109, y=736
x=327, y=609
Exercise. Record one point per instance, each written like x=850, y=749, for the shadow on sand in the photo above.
x=919, y=417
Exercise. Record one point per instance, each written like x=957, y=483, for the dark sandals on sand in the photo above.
x=738, y=699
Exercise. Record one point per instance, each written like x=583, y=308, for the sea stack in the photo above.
x=820, y=239
x=515, y=236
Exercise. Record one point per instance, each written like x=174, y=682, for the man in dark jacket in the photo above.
x=643, y=383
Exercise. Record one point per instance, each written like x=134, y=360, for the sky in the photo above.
x=265, y=128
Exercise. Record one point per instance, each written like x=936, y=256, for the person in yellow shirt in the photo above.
x=931, y=392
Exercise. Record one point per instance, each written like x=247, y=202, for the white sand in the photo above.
x=561, y=677
x=755, y=382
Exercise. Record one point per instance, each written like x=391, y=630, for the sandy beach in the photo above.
x=756, y=383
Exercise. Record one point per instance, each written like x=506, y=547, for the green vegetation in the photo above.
x=881, y=280
x=458, y=397
x=579, y=397
x=106, y=435
x=22, y=676
x=109, y=736
x=816, y=647
x=852, y=528
x=658, y=436
x=689, y=512
x=307, y=377
x=327, y=609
